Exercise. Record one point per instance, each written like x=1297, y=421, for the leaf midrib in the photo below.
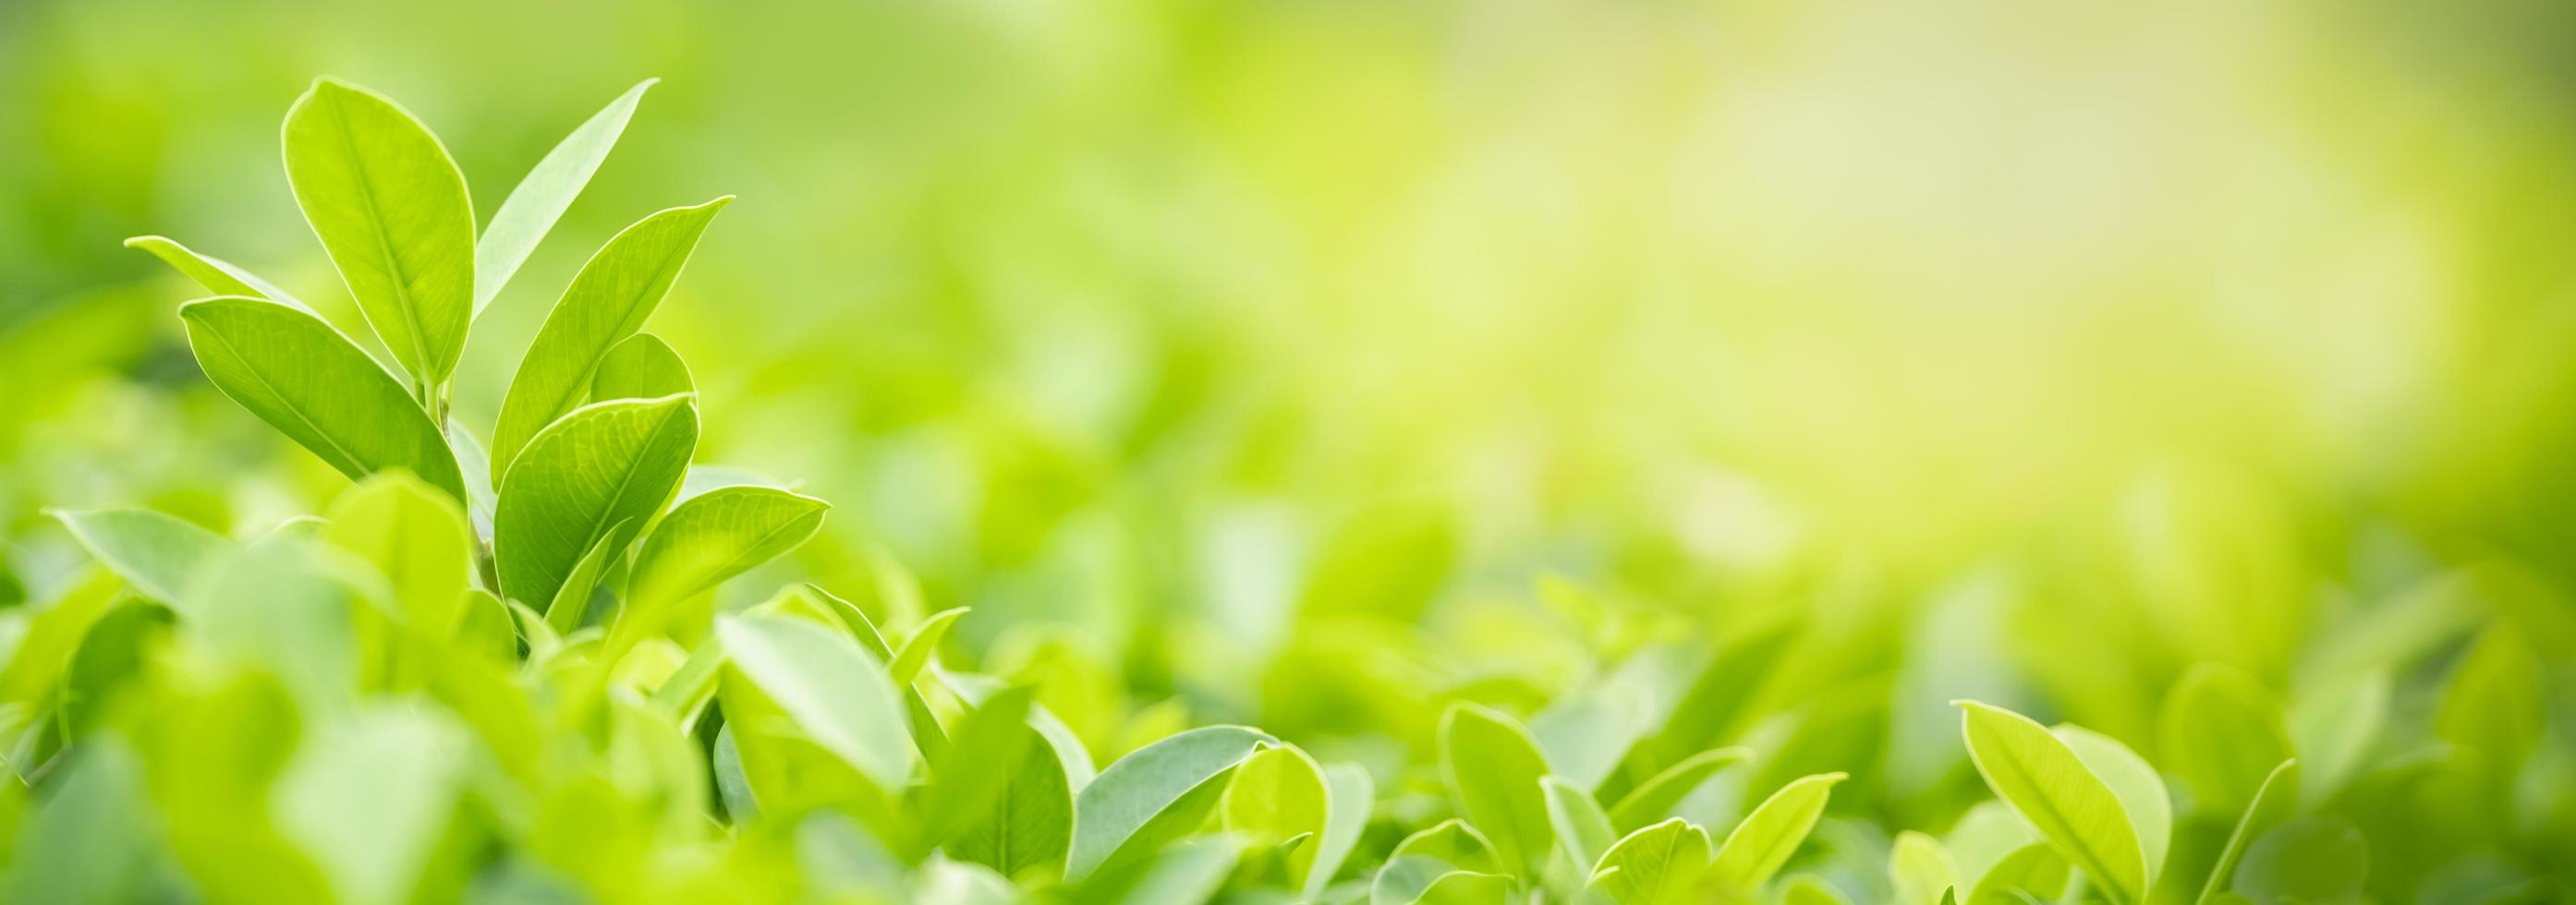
x=284, y=403
x=384, y=244
x=2092, y=860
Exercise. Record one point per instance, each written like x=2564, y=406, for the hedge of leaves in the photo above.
x=495, y=668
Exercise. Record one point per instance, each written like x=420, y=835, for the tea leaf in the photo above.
x=545, y=193
x=2273, y=803
x=1764, y=841
x=416, y=537
x=2334, y=728
x=1580, y=825
x=835, y=692
x=391, y=208
x=2310, y=861
x=1277, y=794
x=969, y=777
x=718, y=535
x=2031, y=872
x=606, y=465
x=1423, y=859
x=1029, y=827
x=1143, y=800
x=1654, y=800
x=2221, y=731
x=371, y=796
x=607, y=302
x=219, y=276
x=2050, y=786
x=1921, y=868
x=305, y=379
x=155, y=554
x=922, y=648
x=1493, y=770
x=2141, y=792
x=1658, y=864
x=2494, y=707
x=571, y=602
x=640, y=367
x=1349, y=797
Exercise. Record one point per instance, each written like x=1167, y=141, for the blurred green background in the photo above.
x=1304, y=362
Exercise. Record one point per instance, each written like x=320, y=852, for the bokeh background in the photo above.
x=1305, y=361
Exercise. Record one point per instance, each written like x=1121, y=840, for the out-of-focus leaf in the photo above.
x=305, y=379
x=1757, y=847
x=90, y=841
x=2050, y=786
x=1655, y=865
x=2221, y=731
x=607, y=302
x=1189, y=872
x=391, y=208
x=919, y=649
x=640, y=367
x=2334, y=728
x=571, y=602
x=968, y=779
x=836, y=693
x=1420, y=862
x=606, y=465
x=1030, y=825
x=1655, y=799
x=2274, y=801
x=1146, y=799
x=49, y=640
x=1808, y=889
x=1711, y=710
x=2494, y=706
x=2307, y=861
x=1493, y=770
x=370, y=796
x=155, y=554
x=545, y=193
x=1351, y=795
x=2031, y=872
x=2135, y=782
x=1580, y=825
x=1921, y=869
x=1275, y=795
x=416, y=537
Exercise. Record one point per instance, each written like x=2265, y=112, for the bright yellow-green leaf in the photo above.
x=1921, y=869
x=1493, y=768
x=545, y=193
x=640, y=367
x=837, y=694
x=606, y=465
x=1148, y=798
x=1350, y=796
x=607, y=302
x=2050, y=786
x=2135, y=782
x=219, y=276
x=2031, y=872
x=717, y=535
x=1655, y=799
x=922, y=648
x=1757, y=847
x=305, y=379
x=391, y=208
x=1420, y=861
x=1655, y=865
x=1580, y=825
x=2274, y=801
x=416, y=537
x=571, y=603
x=1275, y=795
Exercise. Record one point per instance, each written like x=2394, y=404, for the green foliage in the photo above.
x=584, y=665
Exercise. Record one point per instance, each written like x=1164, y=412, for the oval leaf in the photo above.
x=641, y=367
x=1653, y=801
x=1493, y=770
x=1112, y=814
x=2043, y=779
x=305, y=379
x=155, y=554
x=1764, y=841
x=2031, y=872
x=718, y=535
x=607, y=302
x=1276, y=795
x=607, y=464
x=1580, y=825
x=416, y=537
x=390, y=207
x=1658, y=864
x=2141, y=792
x=545, y=193
x=834, y=691
x=2221, y=732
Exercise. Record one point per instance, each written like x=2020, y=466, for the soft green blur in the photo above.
x=1305, y=363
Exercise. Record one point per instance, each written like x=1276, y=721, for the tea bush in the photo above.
x=498, y=667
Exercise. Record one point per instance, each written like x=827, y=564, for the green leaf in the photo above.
x=2050, y=786
x=2135, y=782
x=1465, y=887
x=371, y=796
x=391, y=208
x=835, y=692
x=2334, y=728
x=607, y=464
x=640, y=367
x=1764, y=841
x=1579, y=823
x=219, y=276
x=305, y=379
x=545, y=193
x=2221, y=731
x=1029, y=827
x=919, y=649
x=1655, y=865
x=571, y=602
x=154, y=554
x=1123, y=812
x=2495, y=706
x=2033, y=872
x=416, y=537
x=1424, y=859
x=1808, y=889
x=2308, y=861
x=717, y=535
x=1276, y=795
x=1921, y=869
x=486, y=626
x=1349, y=797
x=48, y=641
x=2273, y=802
x=607, y=302
x=1717, y=705
x=1654, y=800
x=1493, y=768
x=1184, y=873
x=969, y=777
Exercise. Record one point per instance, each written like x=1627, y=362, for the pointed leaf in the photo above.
x=1764, y=841
x=2141, y=792
x=416, y=537
x=2045, y=781
x=718, y=535
x=2273, y=803
x=219, y=276
x=155, y=554
x=1350, y=797
x=1654, y=800
x=640, y=367
x=565, y=611
x=391, y=208
x=545, y=193
x=607, y=464
x=1493, y=770
x=1030, y=824
x=305, y=379
x=923, y=646
x=1111, y=815
x=1658, y=864
x=607, y=302
x=1580, y=825
x=836, y=693
x=2031, y=872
